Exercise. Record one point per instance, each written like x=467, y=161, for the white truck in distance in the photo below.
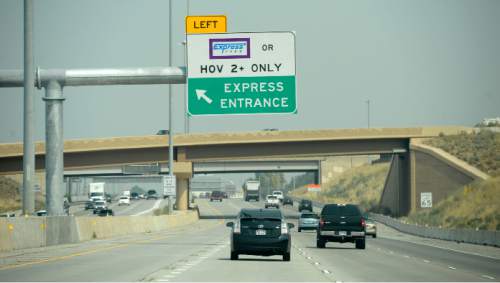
x=96, y=191
x=279, y=195
x=251, y=190
x=126, y=194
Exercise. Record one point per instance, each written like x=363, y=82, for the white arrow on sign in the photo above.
x=200, y=93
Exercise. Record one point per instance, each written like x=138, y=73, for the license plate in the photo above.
x=342, y=233
x=260, y=232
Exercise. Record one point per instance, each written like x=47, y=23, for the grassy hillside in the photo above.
x=9, y=194
x=10, y=198
x=361, y=185
x=476, y=206
x=481, y=150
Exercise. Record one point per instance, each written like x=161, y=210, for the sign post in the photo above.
x=241, y=73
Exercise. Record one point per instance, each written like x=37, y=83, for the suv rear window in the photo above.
x=260, y=213
x=216, y=193
x=345, y=210
x=309, y=215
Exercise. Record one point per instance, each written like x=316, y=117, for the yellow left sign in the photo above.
x=206, y=24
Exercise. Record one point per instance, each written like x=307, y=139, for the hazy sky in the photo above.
x=425, y=62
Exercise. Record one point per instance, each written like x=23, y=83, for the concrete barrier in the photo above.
x=480, y=237
x=32, y=232
x=20, y=233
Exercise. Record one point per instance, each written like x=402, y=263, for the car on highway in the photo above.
x=279, y=195
x=108, y=198
x=305, y=204
x=152, y=195
x=106, y=212
x=287, y=201
x=8, y=214
x=134, y=196
x=123, y=200
x=370, y=228
x=225, y=195
x=99, y=205
x=260, y=232
x=41, y=212
x=89, y=205
x=272, y=201
x=341, y=223
x=216, y=195
x=308, y=221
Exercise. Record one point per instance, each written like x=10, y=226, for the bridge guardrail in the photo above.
x=480, y=237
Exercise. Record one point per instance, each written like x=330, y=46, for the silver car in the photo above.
x=371, y=228
x=308, y=221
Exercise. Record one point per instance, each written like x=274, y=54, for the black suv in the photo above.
x=287, y=201
x=152, y=195
x=341, y=223
x=89, y=205
x=305, y=204
x=260, y=232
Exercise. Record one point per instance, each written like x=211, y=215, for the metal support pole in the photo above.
x=29, y=90
x=368, y=112
x=54, y=148
x=170, y=116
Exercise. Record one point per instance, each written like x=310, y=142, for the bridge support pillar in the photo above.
x=183, y=172
x=396, y=197
x=182, y=193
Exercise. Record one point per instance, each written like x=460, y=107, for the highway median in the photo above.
x=33, y=232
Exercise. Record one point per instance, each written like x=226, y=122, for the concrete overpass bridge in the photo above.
x=191, y=151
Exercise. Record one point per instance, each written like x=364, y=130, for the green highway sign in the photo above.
x=241, y=73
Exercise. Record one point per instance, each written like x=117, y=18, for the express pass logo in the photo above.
x=229, y=48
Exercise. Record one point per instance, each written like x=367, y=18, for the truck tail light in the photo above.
x=363, y=222
x=237, y=227
x=284, y=228
x=321, y=223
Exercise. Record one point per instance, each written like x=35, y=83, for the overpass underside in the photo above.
x=410, y=173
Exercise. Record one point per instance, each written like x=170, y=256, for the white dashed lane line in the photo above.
x=451, y=267
x=488, y=277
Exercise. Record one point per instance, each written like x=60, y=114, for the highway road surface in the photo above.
x=200, y=252
x=136, y=207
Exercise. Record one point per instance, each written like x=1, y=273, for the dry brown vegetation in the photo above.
x=362, y=185
x=10, y=198
x=481, y=150
x=476, y=206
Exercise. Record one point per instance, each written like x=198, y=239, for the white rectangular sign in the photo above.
x=169, y=185
x=425, y=200
x=241, y=73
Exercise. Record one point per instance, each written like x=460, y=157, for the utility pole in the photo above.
x=29, y=90
x=186, y=117
x=170, y=128
x=368, y=112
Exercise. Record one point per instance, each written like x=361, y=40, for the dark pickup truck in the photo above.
x=341, y=223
